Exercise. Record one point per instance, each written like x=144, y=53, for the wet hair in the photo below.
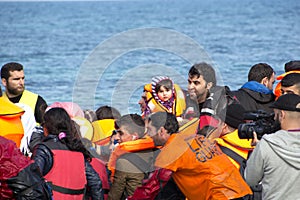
x=167, y=83
x=58, y=122
x=290, y=80
x=133, y=123
x=107, y=112
x=205, y=70
x=9, y=67
x=260, y=71
x=164, y=119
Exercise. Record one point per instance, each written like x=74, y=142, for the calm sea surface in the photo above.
x=102, y=53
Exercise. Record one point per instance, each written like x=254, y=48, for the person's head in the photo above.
x=163, y=87
x=201, y=78
x=143, y=102
x=90, y=115
x=130, y=127
x=262, y=73
x=290, y=84
x=13, y=78
x=234, y=117
x=292, y=65
x=287, y=111
x=56, y=121
x=160, y=126
x=107, y=112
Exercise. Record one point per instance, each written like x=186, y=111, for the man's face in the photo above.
x=155, y=135
x=198, y=88
x=271, y=82
x=124, y=135
x=15, y=84
x=142, y=102
x=290, y=90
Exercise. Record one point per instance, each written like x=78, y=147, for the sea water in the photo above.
x=103, y=52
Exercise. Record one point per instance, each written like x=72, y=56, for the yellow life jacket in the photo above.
x=178, y=107
x=102, y=130
x=10, y=121
x=29, y=98
x=86, y=128
x=234, y=143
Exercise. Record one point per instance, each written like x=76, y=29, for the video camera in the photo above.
x=262, y=123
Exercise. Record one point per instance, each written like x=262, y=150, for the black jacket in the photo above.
x=253, y=101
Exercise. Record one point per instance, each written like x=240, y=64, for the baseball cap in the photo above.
x=289, y=102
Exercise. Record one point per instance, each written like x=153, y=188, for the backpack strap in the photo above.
x=233, y=155
x=137, y=161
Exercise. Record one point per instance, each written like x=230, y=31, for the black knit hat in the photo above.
x=289, y=102
x=292, y=65
x=234, y=115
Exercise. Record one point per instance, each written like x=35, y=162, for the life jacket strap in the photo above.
x=67, y=190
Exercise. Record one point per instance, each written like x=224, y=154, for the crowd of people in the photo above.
x=194, y=143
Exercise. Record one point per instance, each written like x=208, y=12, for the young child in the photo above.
x=163, y=95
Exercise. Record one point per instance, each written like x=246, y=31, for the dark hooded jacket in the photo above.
x=255, y=96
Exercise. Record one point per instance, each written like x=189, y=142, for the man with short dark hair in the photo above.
x=275, y=160
x=201, y=78
x=132, y=159
x=292, y=66
x=290, y=84
x=13, y=79
x=257, y=93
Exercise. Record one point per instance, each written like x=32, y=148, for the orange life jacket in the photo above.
x=277, y=90
x=179, y=104
x=200, y=169
x=100, y=168
x=64, y=177
x=126, y=147
x=10, y=121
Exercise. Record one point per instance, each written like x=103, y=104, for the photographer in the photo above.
x=275, y=159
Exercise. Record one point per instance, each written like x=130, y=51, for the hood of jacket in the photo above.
x=286, y=144
x=258, y=91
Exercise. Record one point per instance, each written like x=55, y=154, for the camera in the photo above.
x=261, y=122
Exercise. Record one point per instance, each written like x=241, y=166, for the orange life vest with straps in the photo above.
x=200, y=169
x=127, y=147
x=10, y=121
x=277, y=90
x=179, y=104
x=67, y=181
x=100, y=168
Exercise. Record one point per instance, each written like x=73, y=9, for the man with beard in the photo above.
x=275, y=160
x=13, y=79
x=201, y=79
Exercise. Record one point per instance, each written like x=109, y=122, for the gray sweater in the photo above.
x=275, y=162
